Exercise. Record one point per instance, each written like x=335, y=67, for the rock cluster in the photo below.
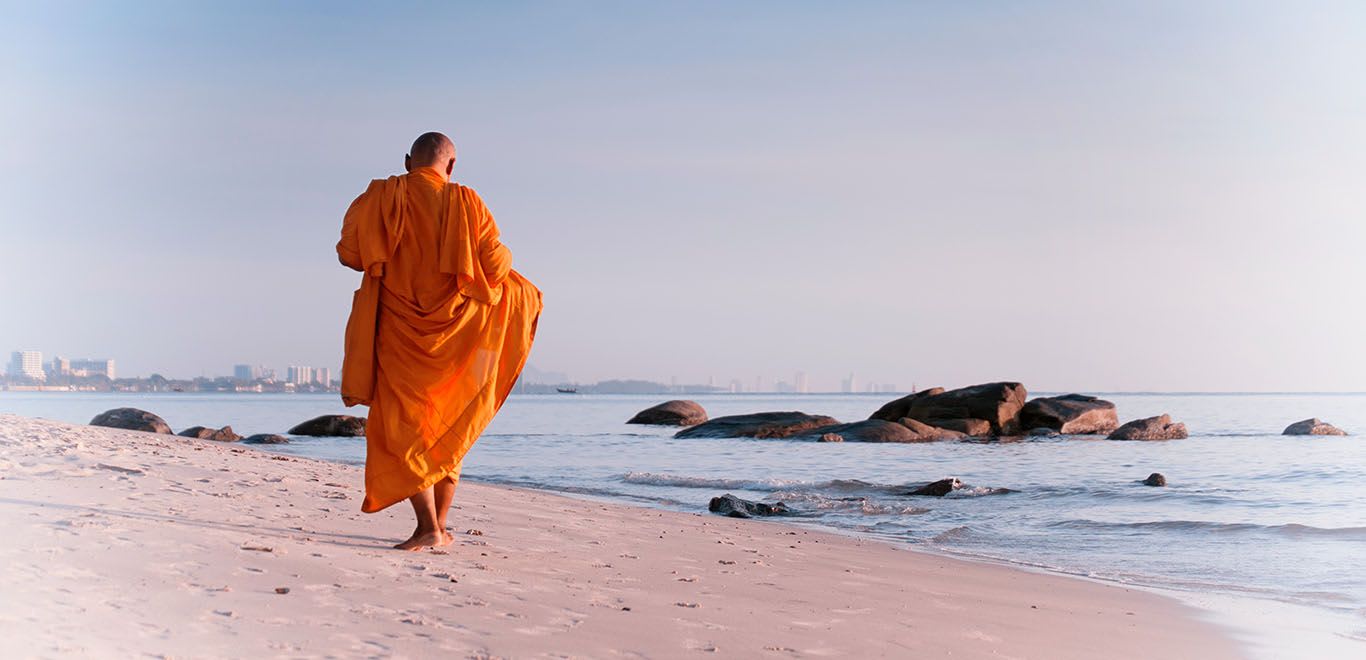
x=1069, y=414
x=671, y=413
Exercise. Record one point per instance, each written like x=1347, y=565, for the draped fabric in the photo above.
x=440, y=328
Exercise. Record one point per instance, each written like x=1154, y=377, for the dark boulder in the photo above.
x=927, y=433
x=893, y=411
x=671, y=413
x=1151, y=428
x=758, y=425
x=1155, y=479
x=1043, y=432
x=331, y=426
x=1313, y=426
x=131, y=419
x=977, y=428
x=224, y=434
x=266, y=439
x=870, y=430
x=997, y=403
x=938, y=488
x=1070, y=414
x=730, y=505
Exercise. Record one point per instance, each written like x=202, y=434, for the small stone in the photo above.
x=282, y=590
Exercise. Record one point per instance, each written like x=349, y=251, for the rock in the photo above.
x=1152, y=428
x=1155, y=479
x=730, y=505
x=131, y=419
x=671, y=413
x=830, y=437
x=976, y=428
x=893, y=411
x=1043, y=432
x=1070, y=414
x=224, y=434
x=266, y=439
x=997, y=403
x=758, y=425
x=871, y=430
x=331, y=426
x=929, y=433
x=1313, y=427
x=938, y=488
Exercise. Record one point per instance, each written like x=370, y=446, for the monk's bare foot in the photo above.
x=450, y=538
x=421, y=540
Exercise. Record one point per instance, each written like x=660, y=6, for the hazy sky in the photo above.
x=1160, y=196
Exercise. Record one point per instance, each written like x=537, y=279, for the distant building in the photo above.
x=27, y=364
x=87, y=368
x=800, y=383
x=59, y=366
x=849, y=385
x=245, y=372
x=322, y=376
x=299, y=375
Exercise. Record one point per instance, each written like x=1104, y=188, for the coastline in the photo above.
x=125, y=542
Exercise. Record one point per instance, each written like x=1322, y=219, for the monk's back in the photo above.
x=413, y=277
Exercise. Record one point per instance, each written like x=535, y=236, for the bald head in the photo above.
x=431, y=150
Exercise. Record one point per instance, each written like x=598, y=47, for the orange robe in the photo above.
x=439, y=330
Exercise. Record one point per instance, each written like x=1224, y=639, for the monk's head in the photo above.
x=431, y=150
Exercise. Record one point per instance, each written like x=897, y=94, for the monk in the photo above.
x=439, y=331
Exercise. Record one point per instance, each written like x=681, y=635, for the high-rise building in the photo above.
x=300, y=375
x=849, y=385
x=800, y=383
x=59, y=366
x=86, y=368
x=322, y=376
x=27, y=364
x=245, y=372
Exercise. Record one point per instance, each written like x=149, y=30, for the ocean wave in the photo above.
x=1288, y=529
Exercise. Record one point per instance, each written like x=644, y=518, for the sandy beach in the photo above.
x=123, y=544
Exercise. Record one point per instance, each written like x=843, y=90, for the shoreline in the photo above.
x=126, y=542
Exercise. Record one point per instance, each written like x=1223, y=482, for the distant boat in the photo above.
x=567, y=390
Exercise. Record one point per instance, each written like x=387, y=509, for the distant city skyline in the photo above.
x=1126, y=196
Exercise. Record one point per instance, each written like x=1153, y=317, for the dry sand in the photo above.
x=126, y=544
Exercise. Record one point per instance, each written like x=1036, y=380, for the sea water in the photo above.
x=1246, y=511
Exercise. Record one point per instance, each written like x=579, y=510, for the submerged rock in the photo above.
x=131, y=419
x=1070, y=414
x=730, y=505
x=1043, y=432
x=1155, y=479
x=758, y=425
x=224, y=434
x=331, y=426
x=266, y=439
x=938, y=488
x=1313, y=426
x=830, y=437
x=895, y=410
x=997, y=403
x=1151, y=428
x=671, y=413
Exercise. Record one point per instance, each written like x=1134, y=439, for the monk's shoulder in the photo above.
x=467, y=195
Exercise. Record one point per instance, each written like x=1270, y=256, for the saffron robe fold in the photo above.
x=440, y=328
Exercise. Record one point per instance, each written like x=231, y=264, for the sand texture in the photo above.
x=129, y=544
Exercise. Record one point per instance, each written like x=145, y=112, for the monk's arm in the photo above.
x=348, y=248
x=494, y=257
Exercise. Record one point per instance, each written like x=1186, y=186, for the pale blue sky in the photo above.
x=1159, y=196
